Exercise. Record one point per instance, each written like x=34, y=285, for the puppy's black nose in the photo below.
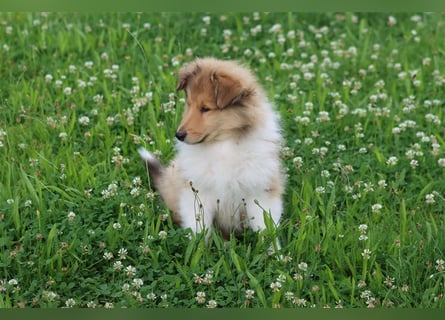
x=180, y=135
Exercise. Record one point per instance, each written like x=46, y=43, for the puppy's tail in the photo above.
x=154, y=166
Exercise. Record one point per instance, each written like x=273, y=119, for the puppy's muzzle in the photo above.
x=180, y=135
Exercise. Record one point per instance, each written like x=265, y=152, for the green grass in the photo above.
x=80, y=225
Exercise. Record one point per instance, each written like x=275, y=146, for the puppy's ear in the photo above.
x=182, y=79
x=185, y=73
x=228, y=91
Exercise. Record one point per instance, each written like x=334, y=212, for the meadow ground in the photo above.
x=361, y=98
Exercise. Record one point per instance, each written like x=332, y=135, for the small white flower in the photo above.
x=366, y=254
x=130, y=271
x=275, y=286
x=206, y=19
x=249, y=294
x=151, y=296
x=341, y=147
x=67, y=91
x=122, y=253
x=71, y=216
x=162, y=235
x=320, y=190
x=303, y=266
x=63, y=136
x=70, y=303
x=382, y=184
x=48, y=78
x=118, y=265
x=108, y=255
x=84, y=120
x=429, y=198
x=392, y=161
x=200, y=297
x=212, y=304
x=325, y=174
x=137, y=283
x=414, y=163
x=376, y=208
x=117, y=226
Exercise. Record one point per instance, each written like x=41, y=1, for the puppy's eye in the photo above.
x=204, y=109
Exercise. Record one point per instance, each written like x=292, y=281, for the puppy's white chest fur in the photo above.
x=229, y=177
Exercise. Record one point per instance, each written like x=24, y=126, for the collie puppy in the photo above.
x=227, y=171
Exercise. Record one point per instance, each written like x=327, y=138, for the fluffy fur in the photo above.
x=227, y=168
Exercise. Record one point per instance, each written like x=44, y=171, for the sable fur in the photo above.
x=228, y=154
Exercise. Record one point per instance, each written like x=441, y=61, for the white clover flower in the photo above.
x=249, y=294
x=341, y=147
x=325, y=173
x=212, y=304
x=429, y=198
x=117, y=226
x=122, y=253
x=366, y=254
x=118, y=265
x=206, y=19
x=275, y=286
x=130, y=271
x=162, y=235
x=84, y=120
x=134, y=192
x=137, y=283
x=71, y=216
x=320, y=190
x=67, y=91
x=70, y=303
x=414, y=163
x=303, y=266
x=440, y=265
x=200, y=297
x=48, y=78
x=151, y=296
x=108, y=255
x=276, y=28
x=391, y=21
x=375, y=208
x=363, y=228
x=382, y=184
x=299, y=302
x=81, y=83
x=392, y=161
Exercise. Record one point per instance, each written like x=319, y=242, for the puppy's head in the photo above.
x=219, y=96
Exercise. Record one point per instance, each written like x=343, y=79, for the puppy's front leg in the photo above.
x=256, y=208
x=194, y=215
